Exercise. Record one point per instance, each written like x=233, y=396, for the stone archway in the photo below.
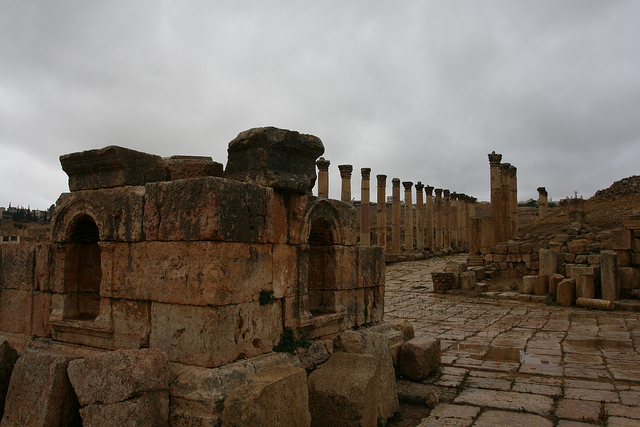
x=83, y=270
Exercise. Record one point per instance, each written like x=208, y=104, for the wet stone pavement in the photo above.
x=518, y=363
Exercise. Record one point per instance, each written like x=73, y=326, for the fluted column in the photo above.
x=447, y=218
x=429, y=225
x=381, y=220
x=439, y=220
x=454, y=218
x=496, y=195
x=345, y=174
x=365, y=214
x=420, y=209
x=395, y=216
x=506, y=200
x=323, y=177
x=543, y=203
x=408, y=216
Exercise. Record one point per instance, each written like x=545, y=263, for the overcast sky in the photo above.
x=419, y=90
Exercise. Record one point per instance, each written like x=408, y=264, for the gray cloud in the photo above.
x=419, y=90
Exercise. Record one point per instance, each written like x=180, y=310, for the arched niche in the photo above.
x=83, y=270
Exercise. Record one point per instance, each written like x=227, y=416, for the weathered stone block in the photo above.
x=111, y=166
x=40, y=313
x=585, y=286
x=629, y=278
x=624, y=258
x=275, y=158
x=405, y=328
x=377, y=345
x=17, y=263
x=528, y=284
x=117, y=212
x=15, y=310
x=468, y=280
x=444, y=281
x=275, y=397
x=8, y=358
x=566, y=291
x=419, y=357
x=201, y=335
x=609, y=278
x=573, y=271
x=548, y=262
x=501, y=248
x=40, y=393
x=345, y=391
x=621, y=239
x=594, y=259
x=578, y=247
x=581, y=259
x=187, y=167
x=212, y=208
x=499, y=257
x=116, y=376
x=513, y=247
x=526, y=248
x=370, y=266
x=42, y=270
x=195, y=273
x=147, y=409
x=571, y=258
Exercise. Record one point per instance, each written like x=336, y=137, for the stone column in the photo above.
x=381, y=220
x=454, y=219
x=609, y=279
x=395, y=216
x=476, y=235
x=439, y=220
x=345, y=174
x=513, y=178
x=447, y=219
x=365, y=214
x=543, y=203
x=429, y=225
x=462, y=202
x=496, y=195
x=323, y=177
x=506, y=201
x=408, y=217
x=420, y=209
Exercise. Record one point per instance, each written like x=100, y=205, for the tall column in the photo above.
x=395, y=216
x=408, y=216
x=454, y=218
x=420, y=209
x=513, y=183
x=460, y=203
x=447, y=219
x=476, y=235
x=323, y=177
x=467, y=219
x=506, y=201
x=365, y=214
x=381, y=220
x=345, y=174
x=429, y=202
x=439, y=220
x=543, y=203
x=496, y=195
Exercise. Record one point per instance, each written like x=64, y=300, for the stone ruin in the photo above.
x=168, y=282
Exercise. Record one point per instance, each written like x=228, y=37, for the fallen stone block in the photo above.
x=548, y=262
x=419, y=357
x=406, y=328
x=566, y=292
x=275, y=397
x=40, y=393
x=528, y=284
x=8, y=358
x=597, y=304
x=467, y=280
x=377, y=345
x=345, y=391
x=443, y=281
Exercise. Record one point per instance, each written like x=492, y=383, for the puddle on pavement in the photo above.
x=499, y=354
x=600, y=343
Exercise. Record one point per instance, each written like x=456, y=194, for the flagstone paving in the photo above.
x=516, y=363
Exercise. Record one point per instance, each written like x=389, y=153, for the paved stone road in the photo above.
x=521, y=363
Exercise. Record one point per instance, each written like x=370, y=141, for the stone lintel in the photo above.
x=111, y=166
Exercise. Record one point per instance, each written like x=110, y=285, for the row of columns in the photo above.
x=452, y=212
